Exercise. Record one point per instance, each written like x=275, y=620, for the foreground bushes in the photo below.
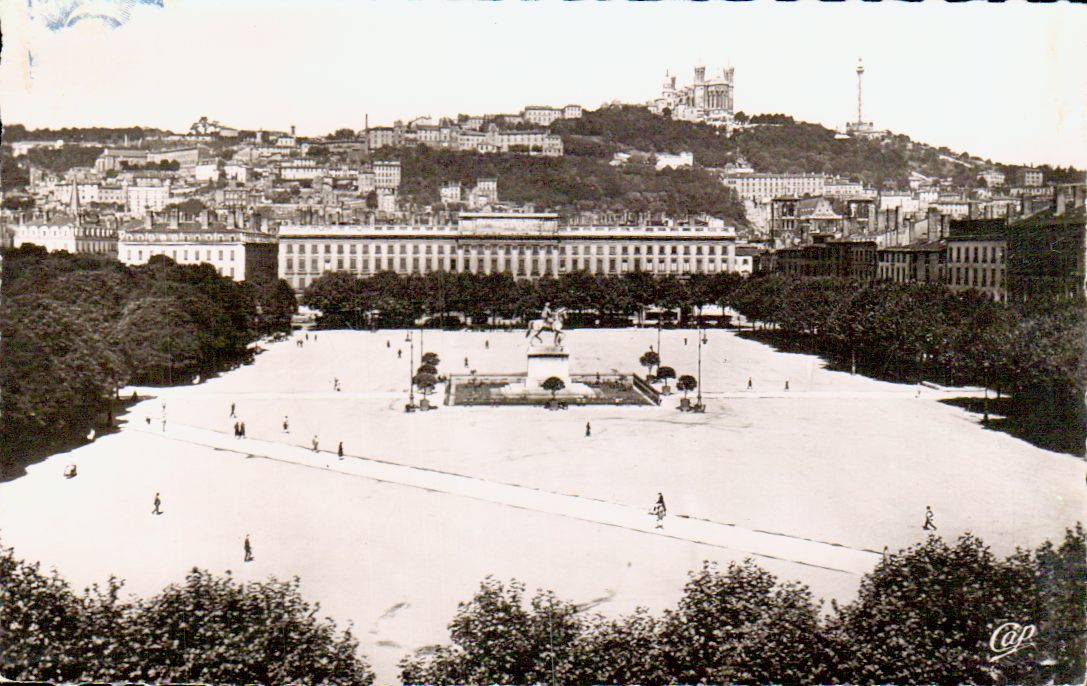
x=207, y=629
x=924, y=615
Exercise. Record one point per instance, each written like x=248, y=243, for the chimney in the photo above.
x=292, y=130
x=1060, y=201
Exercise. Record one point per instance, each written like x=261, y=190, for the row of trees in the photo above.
x=76, y=328
x=907, y=331
x=208, y=629
x=915, y=331
x=346, y=300
x=924, y=615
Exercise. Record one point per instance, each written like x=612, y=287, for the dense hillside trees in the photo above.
x=568, y=183
x=774, y=143
x=923, y=615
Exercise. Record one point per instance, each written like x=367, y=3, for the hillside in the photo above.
x=773, y=143
x=567, y=183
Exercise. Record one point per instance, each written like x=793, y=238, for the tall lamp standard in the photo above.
x=660, y=321
x=985, y=410
x=411, y=366
x=699, y=398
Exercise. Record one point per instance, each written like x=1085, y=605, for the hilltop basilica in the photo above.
x=708, y=101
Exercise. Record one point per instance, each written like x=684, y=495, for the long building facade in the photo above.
x=523, y=245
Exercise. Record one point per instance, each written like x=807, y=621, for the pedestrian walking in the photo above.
x=399, y=353
x=314, y=442
x=659, y=509
x=388, y=344
x=158, y=503
x=286, y=425
x=684, y=340
x=339, y=450
x=929, y=526
x=148, y=420
x=487, y=344
x=588, y=429
x=466, y=362
x=232, y=410
x=243, y=429
x=749, y=383
x=248, y=549
x=237, y=430
x=307, y=336
x=786, y=384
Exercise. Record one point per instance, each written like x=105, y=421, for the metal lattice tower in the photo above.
x=860, y=75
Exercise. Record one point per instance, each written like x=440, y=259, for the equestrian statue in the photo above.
x=550, y=320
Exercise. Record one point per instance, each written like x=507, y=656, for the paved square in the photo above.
x=812, y=481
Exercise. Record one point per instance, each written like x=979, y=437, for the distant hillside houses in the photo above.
x=480, y=133
x=450, y=136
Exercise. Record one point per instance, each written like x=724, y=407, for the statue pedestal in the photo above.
x=545, y=362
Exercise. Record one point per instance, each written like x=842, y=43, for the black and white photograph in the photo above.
x=543, y=342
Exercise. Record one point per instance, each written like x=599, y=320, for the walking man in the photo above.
x=399, y=353
x=286, y=425
x=929, y=526
x=237, y=430
x=749, y=383
x=248, y=549
x=232, y=410
x=158, y=505
x=388, y=344
x=487, y=344
x=588, y=430
x=339, y=450
x=466, y=363
x=660, y=510
x=786, y=384
x=314, y=442
x=243, y=429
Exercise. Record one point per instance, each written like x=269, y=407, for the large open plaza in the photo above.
x=812, y=481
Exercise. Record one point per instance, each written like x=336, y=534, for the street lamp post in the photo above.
x=699, y=399
x=411, y=366
x=985, y=407
x=660, y=321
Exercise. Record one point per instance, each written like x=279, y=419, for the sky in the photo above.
x=1002, y=81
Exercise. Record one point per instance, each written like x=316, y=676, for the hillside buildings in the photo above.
x=480, y=134
x=709, y=101
x=755, y=186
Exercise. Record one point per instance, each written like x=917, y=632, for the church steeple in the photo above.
x=73, y=204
